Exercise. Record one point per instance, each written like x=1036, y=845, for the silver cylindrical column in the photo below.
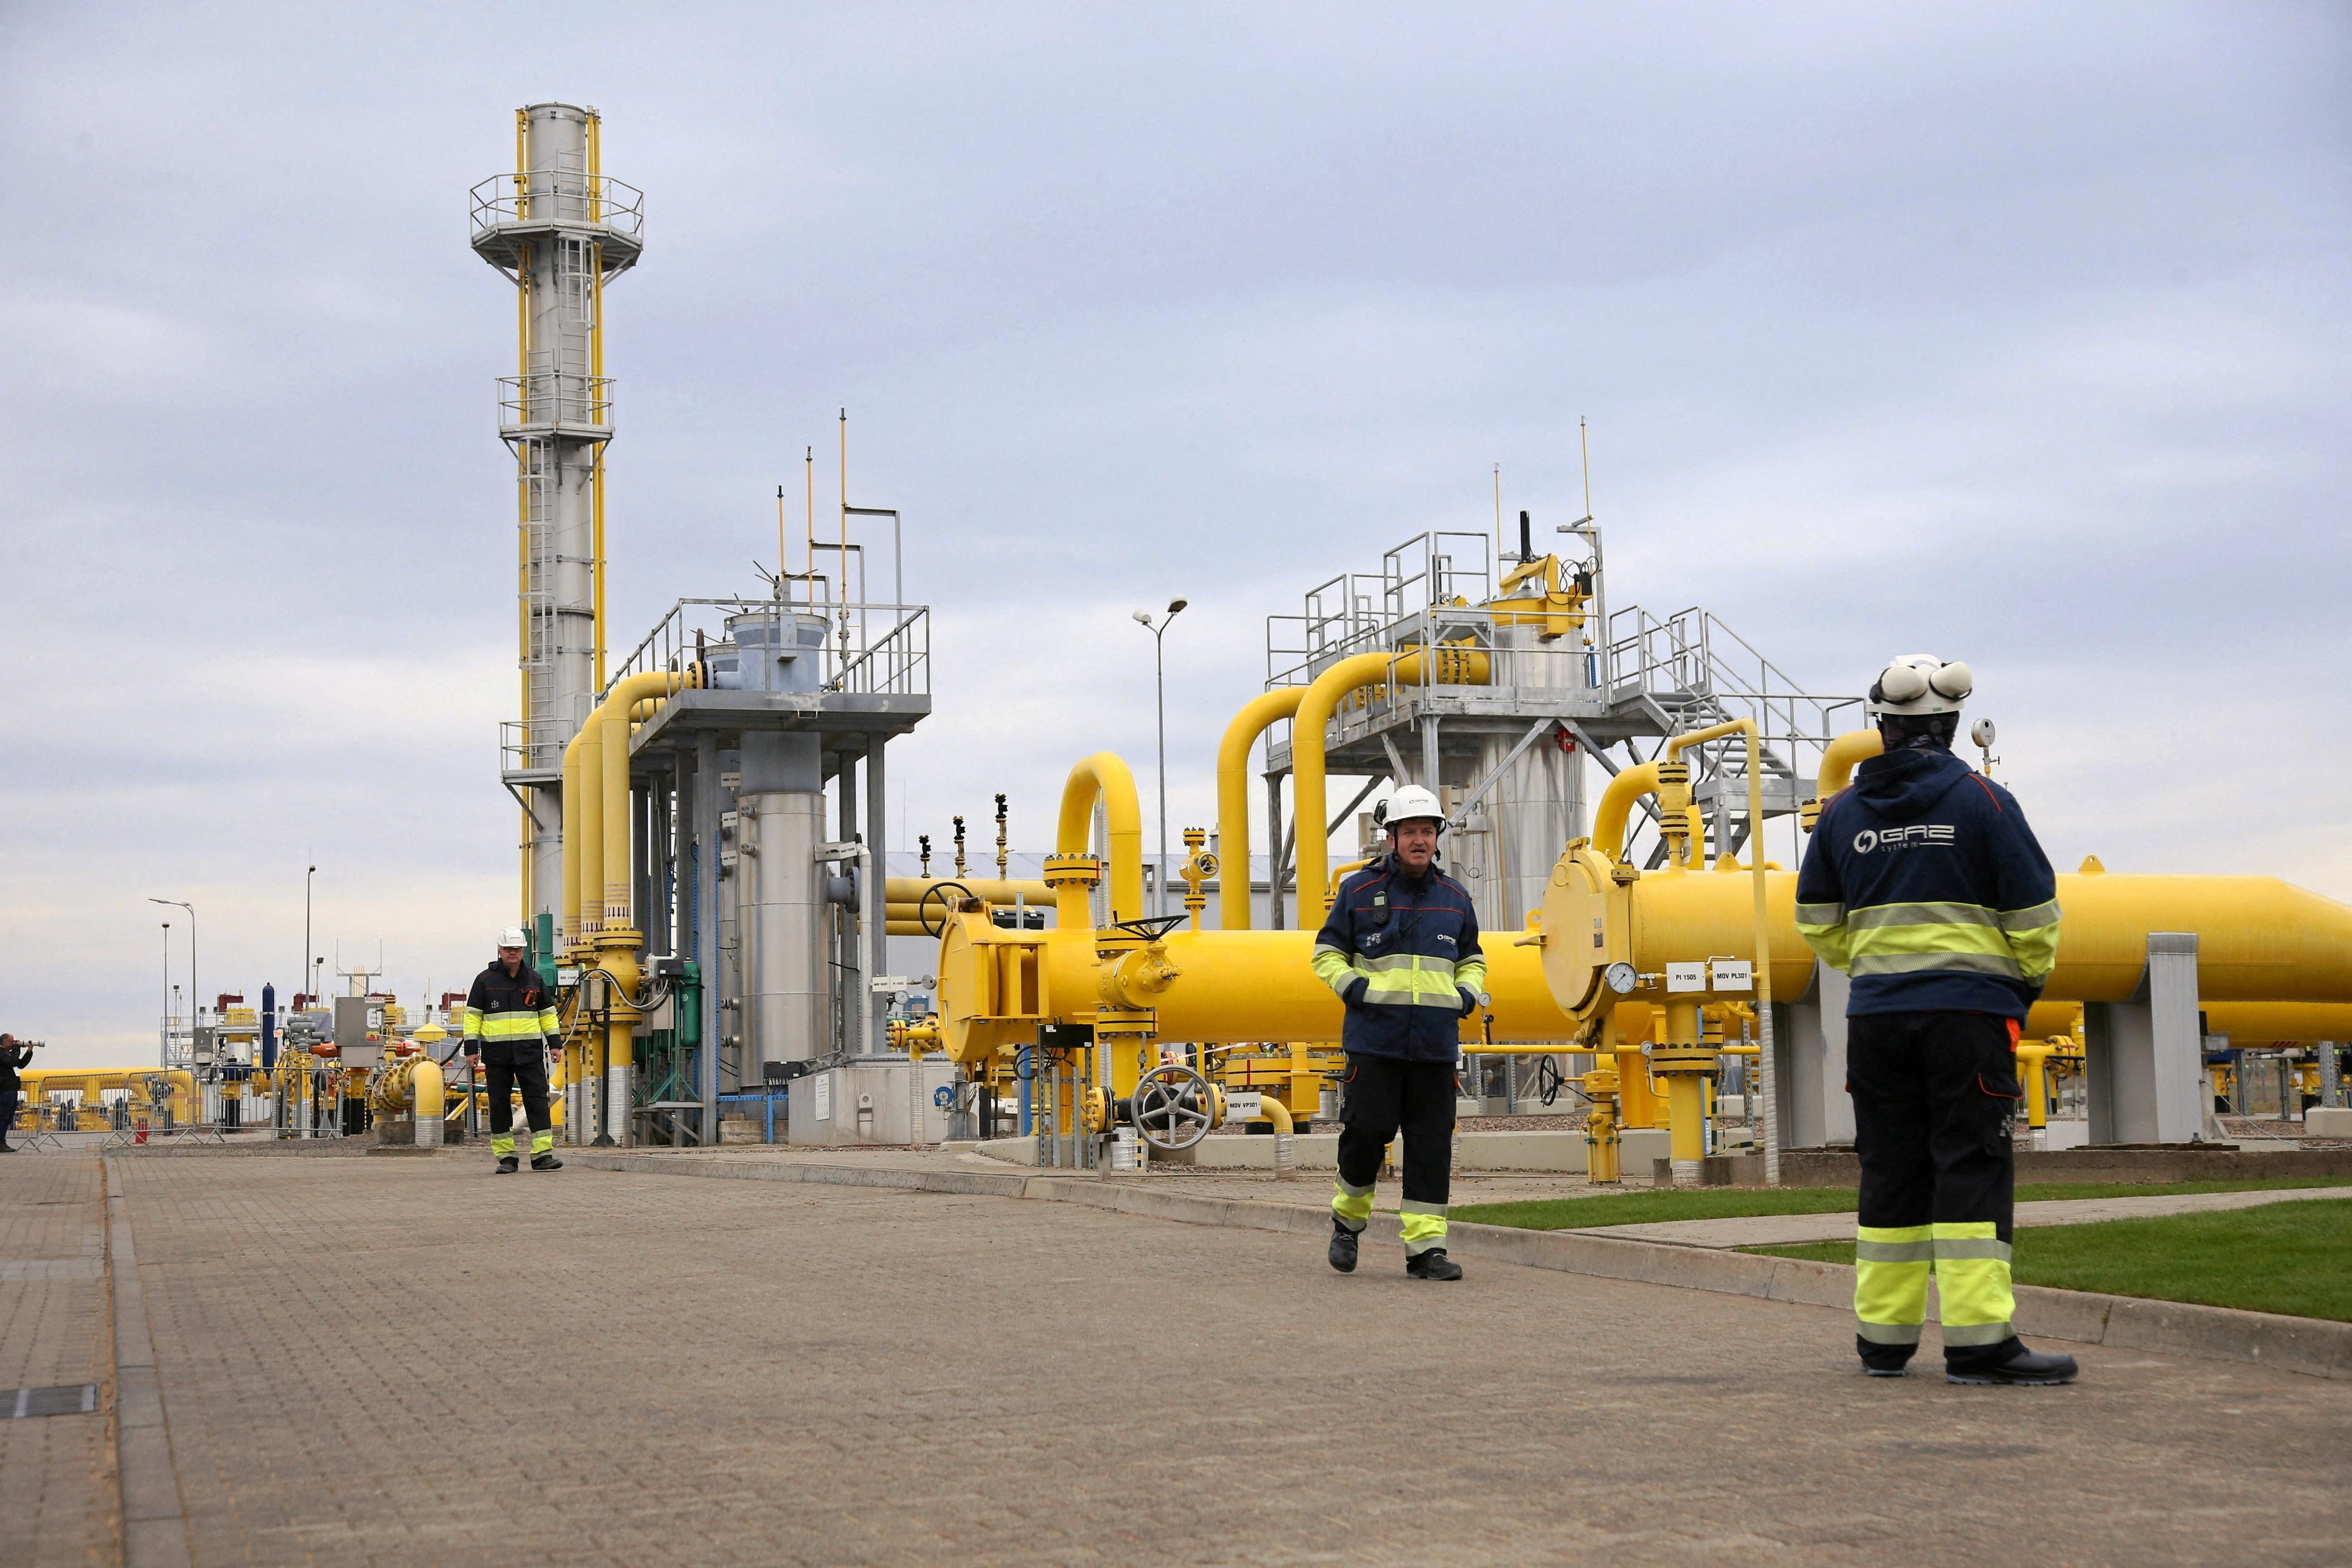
x=1538, y=805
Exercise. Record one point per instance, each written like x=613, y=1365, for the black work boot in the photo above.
x=1431, y=1265
x=2014, y=1364
x=545, y=1162
x=509, y=1164
x=1343, y=1248
x=1883, y=1361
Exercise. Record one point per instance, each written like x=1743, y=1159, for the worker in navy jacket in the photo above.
x=1925, y=884
x=1401, y=948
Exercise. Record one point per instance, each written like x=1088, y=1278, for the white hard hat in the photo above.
x=1920, y=683
x=514, y=936
x=1406, y=804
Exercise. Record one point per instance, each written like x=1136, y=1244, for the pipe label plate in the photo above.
x=1685, y=977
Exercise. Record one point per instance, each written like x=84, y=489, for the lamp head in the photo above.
x=1143, y=617
x=1176, y=604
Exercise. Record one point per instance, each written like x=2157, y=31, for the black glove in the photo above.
x=1469, y=1000
x=1354, y=995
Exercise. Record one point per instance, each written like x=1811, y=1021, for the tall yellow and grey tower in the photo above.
x=560, y=229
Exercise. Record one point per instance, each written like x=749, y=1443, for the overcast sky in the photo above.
x=2016, y=333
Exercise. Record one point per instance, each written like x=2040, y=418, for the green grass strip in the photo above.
x=1644, y=1205
x=2291, y=1257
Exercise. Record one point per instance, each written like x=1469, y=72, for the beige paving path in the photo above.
x=57, y=1501
x=1790, y=1229
x=412, y=1361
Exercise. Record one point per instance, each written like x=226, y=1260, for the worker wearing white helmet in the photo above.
x=1924, y=883
x=510, y=1023
x=1401, y=948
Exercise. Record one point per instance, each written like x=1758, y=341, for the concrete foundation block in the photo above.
x=2327, y=1121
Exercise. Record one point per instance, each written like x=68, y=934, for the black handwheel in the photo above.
x=936, y=891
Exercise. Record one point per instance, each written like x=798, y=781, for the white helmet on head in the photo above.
x=514, y=936
x=1407, y=804
x=1918, y=683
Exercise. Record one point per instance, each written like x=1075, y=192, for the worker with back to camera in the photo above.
x=1401, y=947
x=15, y=1056
x=511, y=1025
x=1925, y=884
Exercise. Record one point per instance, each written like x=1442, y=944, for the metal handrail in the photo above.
x=902, y=653
x=577, y=399
x=603, y=201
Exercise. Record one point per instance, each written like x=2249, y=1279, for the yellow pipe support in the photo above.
x=1105, y=777
x=582, y=776
x=1464, y=667
x=1259, y=714
x=2032, y=1058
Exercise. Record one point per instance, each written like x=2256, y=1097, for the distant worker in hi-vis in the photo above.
x=1924, y=883
x=511, y=1025
x=1401, y=947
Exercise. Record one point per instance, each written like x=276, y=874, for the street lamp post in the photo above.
x=193, y=992
x=1158, y=626
x=164, y=1059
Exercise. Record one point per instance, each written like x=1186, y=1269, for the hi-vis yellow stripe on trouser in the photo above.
x=502, y=1145
x=1890, y=1281
x=1424, y=1227
x=1352, y=1204
x=1972, y=1283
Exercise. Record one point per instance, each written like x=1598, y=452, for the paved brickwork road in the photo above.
x=57, y=1472
x=412, y=1361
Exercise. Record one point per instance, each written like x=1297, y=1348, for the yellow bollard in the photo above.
x=425, y=1091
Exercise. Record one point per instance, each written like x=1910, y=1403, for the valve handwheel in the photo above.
x=937, y=890
x=1174, y=1108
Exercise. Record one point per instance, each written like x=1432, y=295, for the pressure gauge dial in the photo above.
x=1622, y=978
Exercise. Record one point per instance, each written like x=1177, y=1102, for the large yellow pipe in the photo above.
x=2246, y=1022
x=1101, y=776
x=909, y=890
x=1257, y=715
x=2259, y=940
x=997, y=986
x=582, y=773
x=1454, y=667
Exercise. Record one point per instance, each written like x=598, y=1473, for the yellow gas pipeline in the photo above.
x=1257, y=715
x=1450, y=667
x=997, y=986
x=596, y=865
x=2259, y=940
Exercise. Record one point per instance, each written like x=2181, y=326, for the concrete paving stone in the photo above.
x=368, y=1360
x=57, y=1472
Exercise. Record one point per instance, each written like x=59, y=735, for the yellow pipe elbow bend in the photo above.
x=1257, y=715
x=1308, y=773
x=1105, y=777
x=1616, y=808
x=1839, y=760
